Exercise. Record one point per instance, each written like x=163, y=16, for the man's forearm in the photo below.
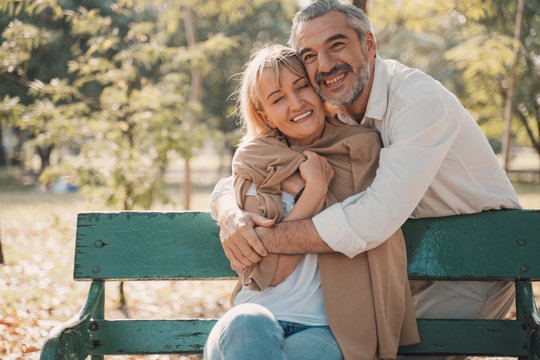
x=225, y=207
x=222, y=189
x=293, y=237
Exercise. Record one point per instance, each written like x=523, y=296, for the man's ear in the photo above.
x=370, y=44
x=265, y=118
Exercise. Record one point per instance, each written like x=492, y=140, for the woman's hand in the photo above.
x=316, y=171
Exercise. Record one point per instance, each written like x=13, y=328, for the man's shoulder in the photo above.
x=406, y=86
x=404, y=79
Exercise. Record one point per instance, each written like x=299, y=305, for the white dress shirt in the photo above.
x=435, y=161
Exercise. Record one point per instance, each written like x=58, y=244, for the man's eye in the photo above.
x=309, y=58
x=337, y=45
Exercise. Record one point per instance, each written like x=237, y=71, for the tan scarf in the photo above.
x=367, y=298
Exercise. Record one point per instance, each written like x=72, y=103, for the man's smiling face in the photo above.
x=337, y=62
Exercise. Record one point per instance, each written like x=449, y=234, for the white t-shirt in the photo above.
x=299, y=297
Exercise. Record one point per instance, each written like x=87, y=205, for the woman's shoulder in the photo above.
x=260, y=143
x=261, y=150
x=335, y=127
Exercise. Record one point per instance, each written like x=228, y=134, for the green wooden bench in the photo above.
x=185, y=245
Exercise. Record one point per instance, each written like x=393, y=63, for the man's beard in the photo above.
x=360, y=83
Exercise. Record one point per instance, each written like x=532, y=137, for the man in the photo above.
x=435, y=162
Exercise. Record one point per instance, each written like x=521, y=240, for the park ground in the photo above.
x=37, y=291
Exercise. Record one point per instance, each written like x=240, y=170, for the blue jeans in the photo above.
x=250, y=331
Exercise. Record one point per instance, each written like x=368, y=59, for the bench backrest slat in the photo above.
x=185, y=245
x=149, y=245
x=490, y=245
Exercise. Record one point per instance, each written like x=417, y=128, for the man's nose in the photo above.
x=326, y=62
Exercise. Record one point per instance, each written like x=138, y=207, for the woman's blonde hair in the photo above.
x=249, y=99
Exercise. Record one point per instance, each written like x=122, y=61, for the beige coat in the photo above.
x=367, y=298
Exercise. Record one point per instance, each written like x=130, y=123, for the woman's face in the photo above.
x=292, y=107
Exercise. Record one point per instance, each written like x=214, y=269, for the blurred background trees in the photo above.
x=468, y=46
x=107, y=92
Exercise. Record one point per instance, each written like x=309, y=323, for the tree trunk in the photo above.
x=509, y=106
x=18, y=157
x=187, y=182
x=3, y=162
x=194, y=97
x=45, y=156
x=1, y=255
x=362, y=4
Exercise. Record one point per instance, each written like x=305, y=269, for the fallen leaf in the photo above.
x=30, y=349
x=8, y=323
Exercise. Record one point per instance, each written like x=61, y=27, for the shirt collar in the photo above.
x=377, y=102
x=376, y=107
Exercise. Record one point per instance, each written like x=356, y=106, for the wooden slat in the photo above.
x=489, y=245
x=469, y=337
x=149, y=245
x=439, y=337
x=150, y=336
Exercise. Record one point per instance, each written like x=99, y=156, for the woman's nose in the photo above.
x=296, y=102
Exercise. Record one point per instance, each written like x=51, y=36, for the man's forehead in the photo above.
x=317, y=31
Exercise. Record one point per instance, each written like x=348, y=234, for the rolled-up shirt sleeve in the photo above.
x=421, y=134
x=223, y=186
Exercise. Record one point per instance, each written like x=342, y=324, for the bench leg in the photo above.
x=527, y=312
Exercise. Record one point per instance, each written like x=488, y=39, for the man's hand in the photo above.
x=239, y=240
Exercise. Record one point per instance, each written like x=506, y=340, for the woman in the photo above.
x=364, y=303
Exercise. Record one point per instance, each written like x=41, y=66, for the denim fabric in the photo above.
x=250, y=331
x=291, y=328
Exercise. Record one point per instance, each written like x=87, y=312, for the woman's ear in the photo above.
x=265, y=118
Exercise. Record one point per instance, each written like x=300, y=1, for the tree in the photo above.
x=509, y=104
x=362, y=4
x=467, y=46
x=124, y=104
x=253, y=24
x=487, y=54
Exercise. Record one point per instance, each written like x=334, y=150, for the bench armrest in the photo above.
x=73, y=337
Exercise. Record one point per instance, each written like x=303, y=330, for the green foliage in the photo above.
x=467, y=45
x=116, y=105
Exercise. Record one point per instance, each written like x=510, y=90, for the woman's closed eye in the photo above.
x=304, y=85
x=278, y=99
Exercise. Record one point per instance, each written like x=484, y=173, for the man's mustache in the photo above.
x=335, y=70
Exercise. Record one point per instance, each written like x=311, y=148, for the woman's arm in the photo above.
x=317, y=174
x=286, y=263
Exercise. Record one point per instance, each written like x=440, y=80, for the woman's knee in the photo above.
x=245, y=332
x=248, y=318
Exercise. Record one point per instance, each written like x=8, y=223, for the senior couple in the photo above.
x=341, y=147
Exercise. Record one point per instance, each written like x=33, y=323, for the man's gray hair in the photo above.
x=356, y=18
